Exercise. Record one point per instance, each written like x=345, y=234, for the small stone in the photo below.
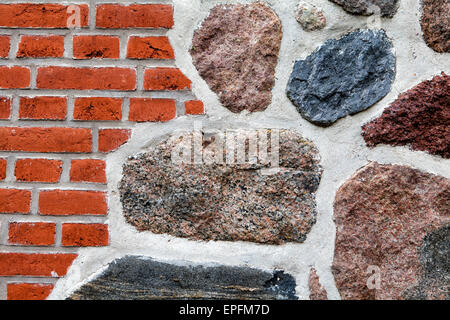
x=316, y=290
x=236, y=52
x=214, y=199
x=310, y=17
x=385, y=8
x=392, y=234
x=420, y=118
x=343, y=77
x=142, y=278
x=435, y=23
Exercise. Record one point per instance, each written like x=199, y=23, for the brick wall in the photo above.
x=68, y=96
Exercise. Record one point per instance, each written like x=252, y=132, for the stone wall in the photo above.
x=224, y=149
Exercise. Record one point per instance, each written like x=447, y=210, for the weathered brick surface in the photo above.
x=111, y=139
x=14, y=77
x=72, y=202
x=166, y=79
x=84, y=235
x=5, y=108
x=142, y=110
x=149, y=48
x=71, y=91
x=41, y=47
x=96, y=109
x=15, y=201
x=88, y=170
x=35, y=264
x=89, y=47
x=120, y=16
x=43, y=108
x=5, y=45
x=194, y=107
x=39, y=15
x=28, y=291
x=34, y=234
x=38, y=170
x=46, y=139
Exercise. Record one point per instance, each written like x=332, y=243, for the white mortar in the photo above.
x=341, y=146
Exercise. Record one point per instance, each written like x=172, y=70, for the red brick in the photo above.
x=15, y=201
x=43, y=108
x=145, y=109
x=98, y=109
x=35, y=264
x=165, y=79
x=3, y=163
x=32, y=234
x=5, y=108
x=29, y=15
x=45, y=139
x=123, y=79
x=88, y=170
x=72, y=202
x=194, y=107
x=149, y=48
x=14, y=77
x=5, y=45
x=38, y=170
x=88, y=47
x=41, y=47
x=118, y=16
x=84, y=235
x=28, y=291
x=112, y=139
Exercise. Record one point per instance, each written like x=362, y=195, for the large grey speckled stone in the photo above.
x=385, y=8
x=141, y=278
x=343, y=77
x=224, y=201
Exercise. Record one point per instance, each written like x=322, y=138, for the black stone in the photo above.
x=343, y=77
x=386, y=8
x=141, y=278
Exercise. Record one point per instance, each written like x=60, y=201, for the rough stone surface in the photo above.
x=385, y=8
x=419, y=118
x=141, y=278
x=397, y=219
x=229, y=202
x=310, y=17
x=316, y=290
x=435, y=23
x=343, y=77
x=236, y=52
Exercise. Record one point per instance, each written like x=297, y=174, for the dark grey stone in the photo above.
x=343, y=77
x=385, y=8
x=141, y=278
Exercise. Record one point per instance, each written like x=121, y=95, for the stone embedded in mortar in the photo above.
x=218, y=200
x=316, y=290
x=435, y=23
x=236, y=52
x=385, y=8
x=141, y=278
x=310, y=17
x=392, y=225
x=343, y=77
x=420, y=118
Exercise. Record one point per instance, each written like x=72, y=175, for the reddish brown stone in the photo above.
x=435, y=23
x=316, y=290
x=392, y=221
x=236, y=52
x=419, y=117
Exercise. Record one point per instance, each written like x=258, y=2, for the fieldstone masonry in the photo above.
x=100, y=148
